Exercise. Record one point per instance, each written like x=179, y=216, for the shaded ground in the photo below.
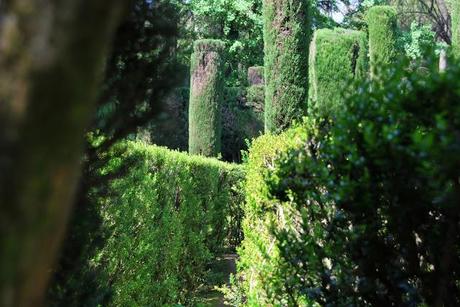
x=221, y=269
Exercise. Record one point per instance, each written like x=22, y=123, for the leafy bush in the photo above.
x=236, y=22
x=361, y=212
x=374, y=200
x=162, y=217
x=419, y=42
x=336, y=57
x=258, y=255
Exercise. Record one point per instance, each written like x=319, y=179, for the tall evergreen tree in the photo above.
x=206, y=94
x=286, y=38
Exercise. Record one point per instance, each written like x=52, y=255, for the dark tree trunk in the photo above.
x=51, y=57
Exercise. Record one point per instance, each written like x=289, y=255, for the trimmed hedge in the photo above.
x=336, y=58
x=259, y=256
x=455, y=14
x=206, y=94
x=382, y=26
x=286, y=38
x=163, y=217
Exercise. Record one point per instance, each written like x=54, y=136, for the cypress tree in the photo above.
x=206, y=94
x=336, y=57
x=382, y=26
x=286, y=37
x=455, y=15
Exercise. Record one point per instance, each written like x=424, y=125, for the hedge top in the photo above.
x=154, y=150
x=380, y=11
x=203, y=45
x=337, y=33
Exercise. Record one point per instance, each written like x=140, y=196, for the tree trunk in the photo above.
x=442, y=60
x=51, y=59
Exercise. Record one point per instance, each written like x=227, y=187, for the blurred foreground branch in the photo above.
x=52, y=55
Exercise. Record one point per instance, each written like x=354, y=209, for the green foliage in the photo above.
x=206, y=94
x=259, y=257
x=336, y=58
x=255, y=96
x=286, y=36
x=141, y=70
x=382, y=25
x=238, y=23
x=372, y=200
x=241, y=121
x=170, y=126
x=455, y=15
x=420, y=42
x=162, y=217
x=242, y=118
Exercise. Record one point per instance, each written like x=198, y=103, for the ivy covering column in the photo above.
x=286, y=38
x=206, y=94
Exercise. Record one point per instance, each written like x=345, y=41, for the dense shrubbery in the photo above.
x=162, y=217
x=373, y=203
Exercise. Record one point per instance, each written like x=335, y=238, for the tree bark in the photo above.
x=51, y=58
